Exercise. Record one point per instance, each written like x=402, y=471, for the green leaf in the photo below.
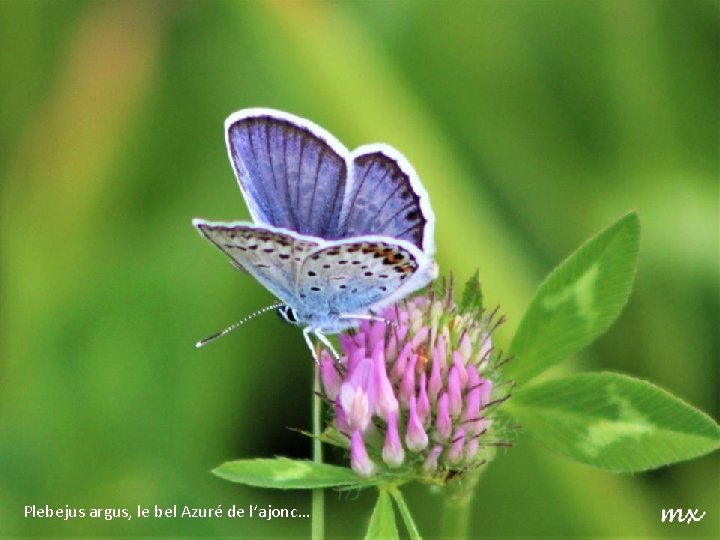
x=472, y=297
x=382, y=522
x=333, y=437
x=412, y=529
x=614, y=421
x=284, y=473
x=578, y=301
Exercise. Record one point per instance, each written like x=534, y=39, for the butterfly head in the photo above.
x=288, y=314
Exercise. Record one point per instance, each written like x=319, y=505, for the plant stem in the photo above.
x=405, y=514
x=458, y=495
x=456, y=516
x=318, y=495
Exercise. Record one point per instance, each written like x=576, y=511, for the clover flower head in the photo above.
x=414, y=391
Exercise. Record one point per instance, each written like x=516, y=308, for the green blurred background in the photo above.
x=532, y=124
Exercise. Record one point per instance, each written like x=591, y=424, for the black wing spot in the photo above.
x=302, y=295
x=284, y=256
x=253, y=247
x=342, y=262
x=316, y=289
x=368, y=274
x=383, y=288
x=311, y=273
x=269, y=250
x=355, y=262
x=383, y=276
x=342, y=287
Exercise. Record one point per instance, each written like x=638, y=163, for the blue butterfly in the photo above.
x=336, y=234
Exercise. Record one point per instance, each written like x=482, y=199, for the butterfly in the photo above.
x=336, y=234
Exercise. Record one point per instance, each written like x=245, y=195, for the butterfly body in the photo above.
x=336, y=235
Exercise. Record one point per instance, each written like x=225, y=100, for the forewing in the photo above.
x=272, y=257
x=387, y=199
x=292, y=173
x=352, y=276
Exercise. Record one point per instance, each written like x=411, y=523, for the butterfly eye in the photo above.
x=287, y=314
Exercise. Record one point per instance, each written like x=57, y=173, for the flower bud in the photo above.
x=359, y=459
x=457, y=448
x=331, y=378
x=393, y=453
x=416, y=439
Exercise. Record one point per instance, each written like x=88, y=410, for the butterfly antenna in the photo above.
x=233, y=326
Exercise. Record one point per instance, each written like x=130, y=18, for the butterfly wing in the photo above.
x=295, y=175
x=271, y=256
x=355, y=275
x=386, y=198
x=291, y=172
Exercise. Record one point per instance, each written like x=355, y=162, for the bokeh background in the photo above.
x=532, y=124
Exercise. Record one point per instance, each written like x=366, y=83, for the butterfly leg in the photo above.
x=325, y=341
x=365, y=317
x=306, y=334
